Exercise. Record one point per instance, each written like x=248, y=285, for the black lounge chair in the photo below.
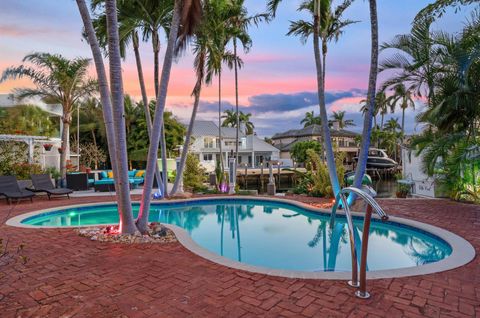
x=43, y=183
x=9, y=188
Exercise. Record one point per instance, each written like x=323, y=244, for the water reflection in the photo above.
x=277, y=235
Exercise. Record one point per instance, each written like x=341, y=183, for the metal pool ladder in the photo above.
x=361, y=283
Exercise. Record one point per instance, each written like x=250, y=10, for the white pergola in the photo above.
x=29, y=140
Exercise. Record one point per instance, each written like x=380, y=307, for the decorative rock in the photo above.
x=157, y=233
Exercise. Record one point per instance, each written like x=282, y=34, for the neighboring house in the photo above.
x=343, y=140
x=252, y=150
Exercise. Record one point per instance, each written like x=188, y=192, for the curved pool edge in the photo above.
x=462, y=251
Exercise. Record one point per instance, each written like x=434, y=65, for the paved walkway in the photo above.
x=70, y=276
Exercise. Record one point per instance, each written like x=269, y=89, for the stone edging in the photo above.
x=462, y=251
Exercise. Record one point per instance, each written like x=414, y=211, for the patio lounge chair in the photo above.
x=9, y=188
x=43, y=183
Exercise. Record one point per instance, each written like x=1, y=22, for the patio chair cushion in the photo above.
x=103, y=175
x=111, y=181
x=132, y=173
x=110, y=174
x=139, y=174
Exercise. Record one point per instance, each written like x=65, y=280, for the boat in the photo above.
x=378, y=159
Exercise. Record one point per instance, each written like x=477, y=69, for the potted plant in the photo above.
x=47, y=147
x=403, y=190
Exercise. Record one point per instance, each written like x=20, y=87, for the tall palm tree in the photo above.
x=232, y=120
x=123, y=197
x=186, y=16
x=206, y=49
x=310, y=119
x=403, y=98
x=331, y=25
x=340, y=118
x=57, y=80
x=372, y=85
x=238, y=23
x=392, y=125
x=148, y=17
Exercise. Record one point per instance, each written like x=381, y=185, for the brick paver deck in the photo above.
x=70, y=276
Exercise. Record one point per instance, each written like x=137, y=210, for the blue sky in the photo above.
x=277, y=83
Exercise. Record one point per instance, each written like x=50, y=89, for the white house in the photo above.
x=252, y=150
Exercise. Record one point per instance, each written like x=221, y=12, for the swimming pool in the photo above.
x=271, y=234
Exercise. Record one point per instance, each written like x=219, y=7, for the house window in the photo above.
x=208, y=142
x=207, y=157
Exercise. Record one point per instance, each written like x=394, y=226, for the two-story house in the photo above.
x=342, y=139
x=206, y=145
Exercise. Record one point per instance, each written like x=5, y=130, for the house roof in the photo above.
x=209, y=128
x=260, y=144
x=313, y=130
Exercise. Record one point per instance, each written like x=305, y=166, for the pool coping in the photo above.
x=462, y=251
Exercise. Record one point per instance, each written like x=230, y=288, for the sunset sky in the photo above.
x=277, y=83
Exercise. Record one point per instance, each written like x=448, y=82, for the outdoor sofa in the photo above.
x=10, y=189
x=43, y=183
x=106, y=182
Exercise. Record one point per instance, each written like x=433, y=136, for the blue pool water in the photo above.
x=272, y=234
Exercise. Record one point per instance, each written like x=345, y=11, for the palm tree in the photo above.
x=401, y=97
x=205, y=48
x=149, y=17
x=239, y=23
x=57, y=80
x=127, y=224
x=392, y=125
x=340, y=118
x=381, y=106
x=310, y=119
x=331, y=25
x=372, y=85
x=186, y=16
x=231, y=120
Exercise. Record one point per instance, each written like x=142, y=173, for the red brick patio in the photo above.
x=70, y=276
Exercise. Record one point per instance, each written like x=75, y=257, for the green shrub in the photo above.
x=194, y=175
x=23, y=170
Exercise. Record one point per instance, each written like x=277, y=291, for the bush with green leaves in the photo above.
x=11, y=152
x=299, y=150
x=316, y=181
x=194, y=174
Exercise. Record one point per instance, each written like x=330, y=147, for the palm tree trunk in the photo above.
x=403, y=121
x=158, y=118
x=127, y=224
x=381, y=126
x=156, y=52
x=372, y=83
x=103, y=89
x=332, y=170
x=65, y=148
x=324, y=57
x=146, y=108
x=183, y=157
x=236, y=101
x=220, y=119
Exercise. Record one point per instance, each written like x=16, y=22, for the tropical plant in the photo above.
x=11, y=152
x=310, y=119
x=231, y=120
x=56, y=80
x=403, y=98
x=299, y=150
x=92, y=156
x=208, y=44
x=27, y=120
x=186, y=17
x=339, y=117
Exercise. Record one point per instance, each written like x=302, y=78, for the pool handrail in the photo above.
x=372, y=205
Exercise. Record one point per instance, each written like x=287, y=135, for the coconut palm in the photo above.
x=231, y=120
x=186, y=16
x=331, y=25
x=310, y=119
x=238, y=23
x=117, y=158
x=147, y=17
x=56, y=80
x=340, y=118
x=403, y=98
x=392, y=125
x=207, y=44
